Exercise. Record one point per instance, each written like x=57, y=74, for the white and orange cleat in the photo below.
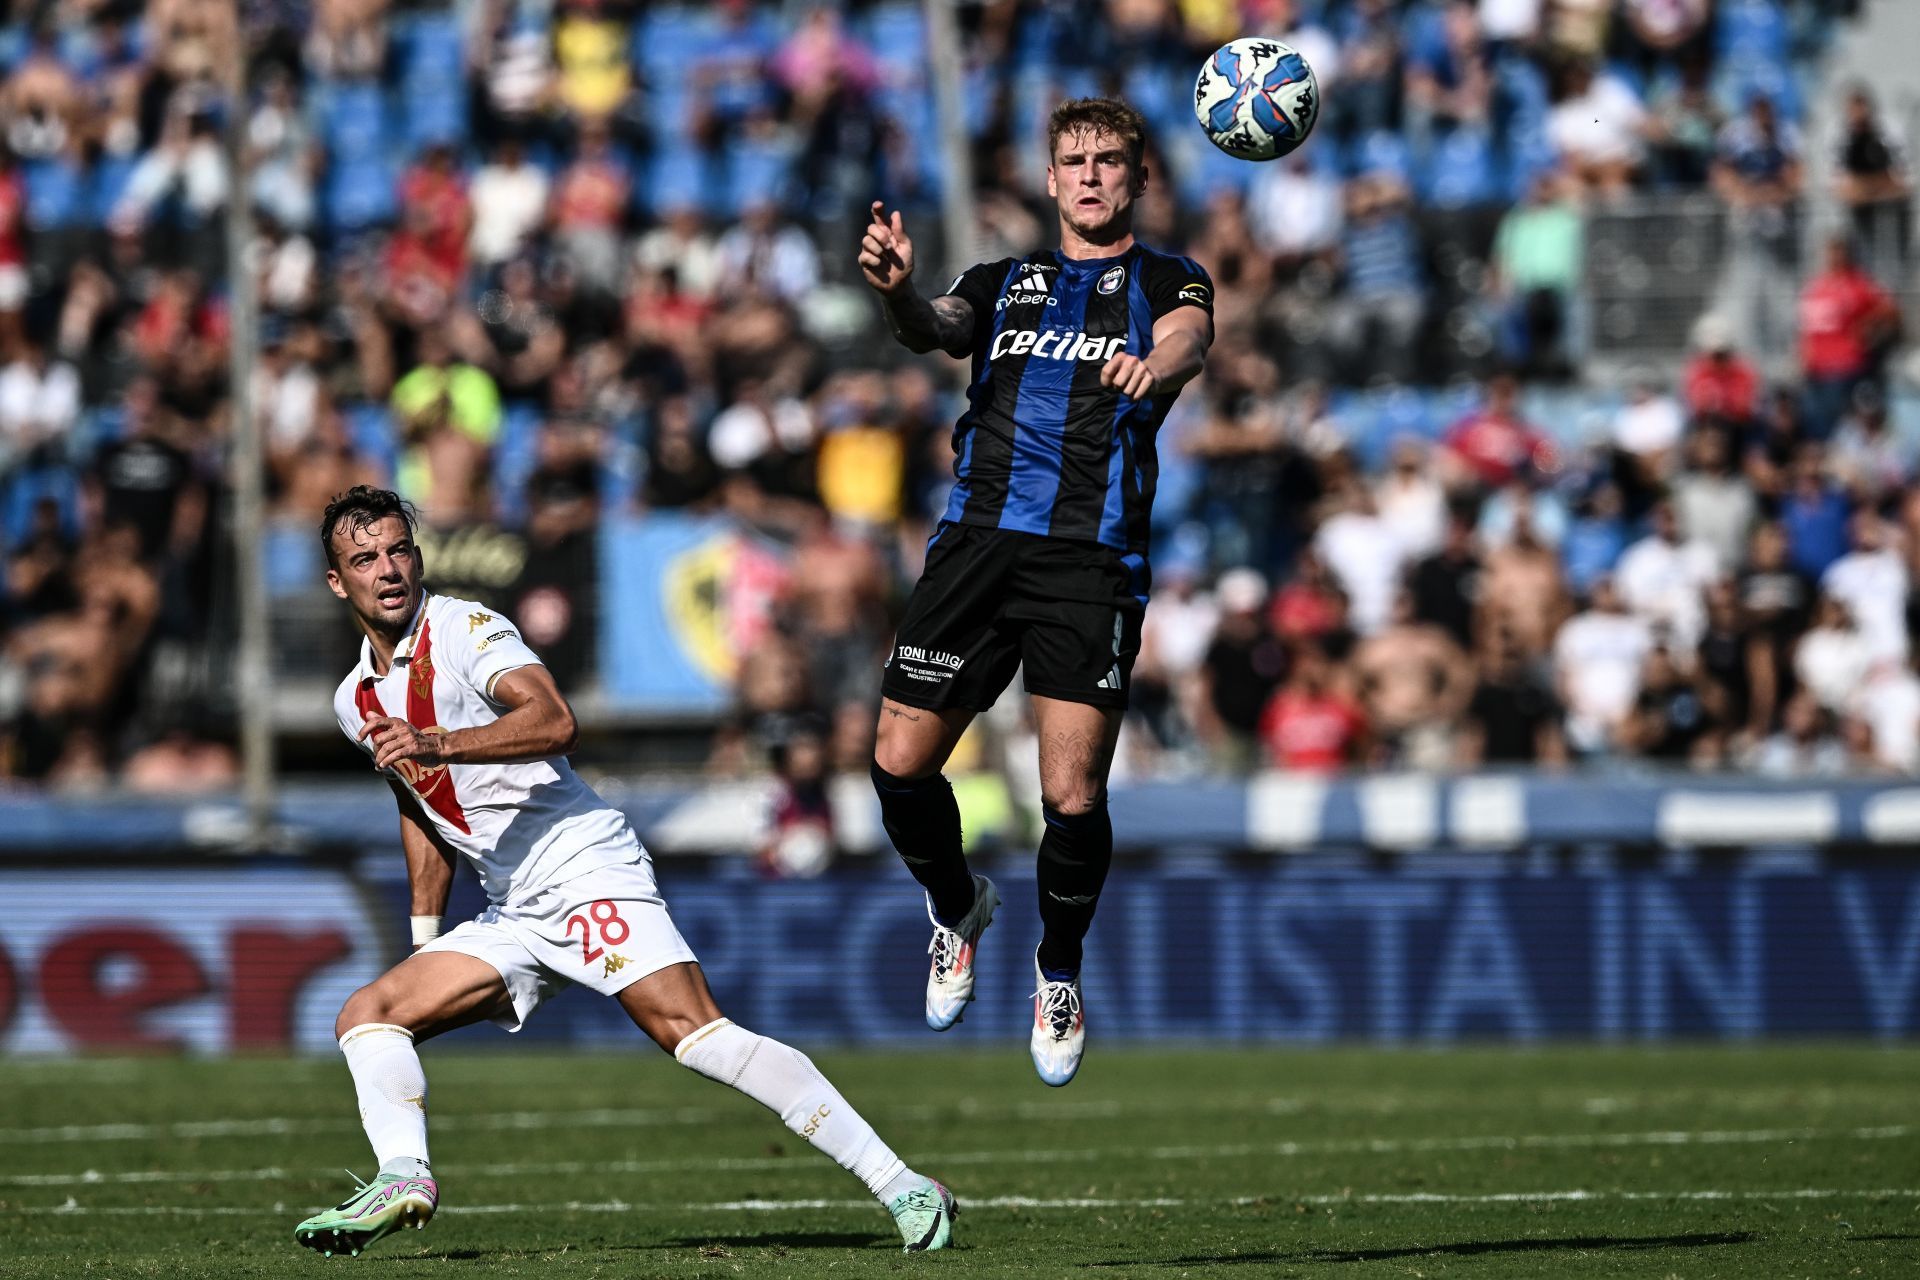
x=950, y=977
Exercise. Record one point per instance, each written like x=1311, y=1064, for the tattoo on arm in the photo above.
x=898, y=714
x=945, y=322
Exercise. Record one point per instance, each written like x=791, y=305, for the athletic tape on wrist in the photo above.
x=425, y=929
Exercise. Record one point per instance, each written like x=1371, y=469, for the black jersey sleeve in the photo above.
x=1173, y=283
x=979, y=287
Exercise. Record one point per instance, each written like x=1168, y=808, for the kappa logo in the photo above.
x=1112, y=279
x=475, y=621
x=615, y=963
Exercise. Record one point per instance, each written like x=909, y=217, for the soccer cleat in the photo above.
x=379, y=1208
x=1059, y=1028
x=950, y=978
x=925, y=1217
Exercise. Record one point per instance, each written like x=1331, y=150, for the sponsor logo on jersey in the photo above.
x=1053, y=344
x=1112, y=279
x=1031, y=287
x=1195, y=292
x=475, y=621
x=933, y=657
x=498, y=635
x=615, y=963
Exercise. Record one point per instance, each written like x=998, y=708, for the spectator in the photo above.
x=39, y=403
x=1597, y=660
x=1243, y=666
x=1805, y=746
x=1595, y=539
x=1684, y=121
x=1596, y=129
x=1714, y=504
x=1413, y=682
x=1847, y=322
x=509, y=203
x=1450, y=82
x=1663, y=576
x=1311, y=725
x=1522, y=594
x=1377, y=317
x=1175, y=638
x=1815, y=514
x=589, y=208
x=449, y=413
x=1646, y=434
x=1869, y=462
x=1871, y=179
x=1756, y=172
x=763, y=255
x=1297, y=213
x=1513, y=718
x=1832, y=659
x=1494, y=445
x=1411, y=502
x=1446, y=585
x=1538, y=257
x=1871, y=581
x=1720, y=383
x=1670, y=721
x=1365, y=556
x=1775, y=601
x=1724, y=668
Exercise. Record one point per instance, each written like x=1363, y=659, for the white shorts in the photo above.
x=605, y=929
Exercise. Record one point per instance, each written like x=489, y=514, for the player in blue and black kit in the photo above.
x=1040, y=561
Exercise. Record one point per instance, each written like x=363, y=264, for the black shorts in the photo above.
x=992, y=600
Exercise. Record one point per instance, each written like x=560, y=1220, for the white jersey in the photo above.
x=524, y=827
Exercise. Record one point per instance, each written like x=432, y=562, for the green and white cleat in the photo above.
x=378, y=1209
x=925, y=1216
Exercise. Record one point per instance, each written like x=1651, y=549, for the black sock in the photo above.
x=1074, y=856
x=923, y=821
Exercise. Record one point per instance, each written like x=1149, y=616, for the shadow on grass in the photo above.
x=716, y=1246
x=1464, y=1248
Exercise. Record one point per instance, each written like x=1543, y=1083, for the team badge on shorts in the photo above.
x=1113, y=279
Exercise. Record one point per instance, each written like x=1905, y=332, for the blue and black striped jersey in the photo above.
x=1043, y=447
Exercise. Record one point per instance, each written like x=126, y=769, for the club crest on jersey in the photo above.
x=1113, y=278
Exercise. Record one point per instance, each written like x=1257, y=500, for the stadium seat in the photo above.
x=1461, y=170
x=354, y=121
x=1381, y=152
x=359, y=194
x=1751, y=29
x=898, y=34
x=108, y=184
x=23, y=491
x=431, y=46
x=514, y=456
x=374, y=436
x=56, y=193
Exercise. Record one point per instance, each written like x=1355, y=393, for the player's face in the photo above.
x=1094, y=184
x=378, y=574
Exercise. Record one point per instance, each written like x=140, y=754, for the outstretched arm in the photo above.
x=1180, y=342
x=886, y=260
x=536, y=724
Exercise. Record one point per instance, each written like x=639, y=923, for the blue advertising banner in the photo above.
x=682, y=598
x=1229, y=952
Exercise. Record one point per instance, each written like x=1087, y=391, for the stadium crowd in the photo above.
x=540, y=264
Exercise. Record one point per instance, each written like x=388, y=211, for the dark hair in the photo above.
x=359, y=507
x=1099, y=115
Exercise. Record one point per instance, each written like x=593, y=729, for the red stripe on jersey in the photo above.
x=432, y=783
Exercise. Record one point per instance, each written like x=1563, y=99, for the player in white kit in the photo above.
x=472, y=734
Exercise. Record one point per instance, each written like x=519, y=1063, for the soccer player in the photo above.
x=471, y=733
x=1040, y=560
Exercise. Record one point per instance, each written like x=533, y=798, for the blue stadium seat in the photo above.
x=1751, y=29
x=290, y=558
x=1382, y=152
x=755, y=170
x=354, y=121
x=374, y=436
x=431, y=45
x=514, y=457
x=26, y=488
x=898, y=34
x=675, y=178
x=56, y=193
x=1461, y=170
x=359, y=194
x=668, y=40
x=434, y=114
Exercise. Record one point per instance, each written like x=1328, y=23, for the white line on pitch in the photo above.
x=1578, y=1195
x=1030, y=1155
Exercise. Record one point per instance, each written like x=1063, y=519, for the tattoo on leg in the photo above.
x=898, y=714
x=1068, y=761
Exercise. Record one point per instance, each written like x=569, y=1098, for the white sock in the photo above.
x=392, y=1088
x=785, y=1081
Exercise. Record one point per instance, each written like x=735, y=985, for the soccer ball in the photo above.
x=1257, y=99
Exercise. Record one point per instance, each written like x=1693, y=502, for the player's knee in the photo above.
x=368, y=1004
x=1077, y=798
x=901, y=760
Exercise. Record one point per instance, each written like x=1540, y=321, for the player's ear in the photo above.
x=333, y=581
x=1140, y=180
x=1053, y=188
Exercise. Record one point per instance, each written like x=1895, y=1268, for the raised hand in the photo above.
x=886, y=254
x=1131, y=375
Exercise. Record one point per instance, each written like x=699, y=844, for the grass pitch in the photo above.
x=1565, y=1161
